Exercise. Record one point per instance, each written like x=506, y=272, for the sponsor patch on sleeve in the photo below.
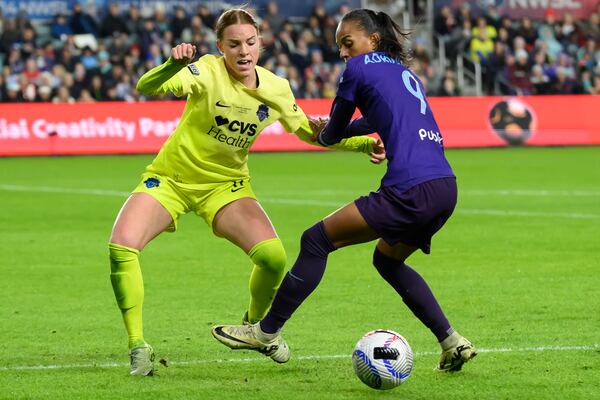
x=193, y=69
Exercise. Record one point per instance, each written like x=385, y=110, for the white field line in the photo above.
x=300, y=358
x=335, y=204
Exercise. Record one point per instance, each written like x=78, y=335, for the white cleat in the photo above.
x=142, y=360
x=453, y=358
x=251, y=337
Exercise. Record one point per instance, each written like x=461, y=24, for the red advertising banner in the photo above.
x=113, y=128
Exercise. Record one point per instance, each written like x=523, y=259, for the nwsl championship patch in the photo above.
x=193, y=69
x=263, y=112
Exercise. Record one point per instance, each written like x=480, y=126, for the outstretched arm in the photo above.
x=163, y=78
x=361, y=144
x=339, y=126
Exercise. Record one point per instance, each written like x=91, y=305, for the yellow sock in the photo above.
x=127, y=283
x=269, y=265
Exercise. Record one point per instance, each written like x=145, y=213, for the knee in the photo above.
x=385, y=264
x=314, y=240
x=125, y=238
x=270, y=255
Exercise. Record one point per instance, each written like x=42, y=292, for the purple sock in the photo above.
x=415, y=293
x=301, y=280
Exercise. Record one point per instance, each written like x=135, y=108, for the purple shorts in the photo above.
x=411, y=216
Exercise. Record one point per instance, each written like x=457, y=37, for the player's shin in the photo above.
x=301, y=280
x=127, y=283
x=269, y=260
x=415, y=293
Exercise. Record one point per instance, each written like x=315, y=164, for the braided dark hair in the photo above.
x=391, y=35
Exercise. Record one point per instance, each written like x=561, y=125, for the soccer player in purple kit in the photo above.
x=417, y=195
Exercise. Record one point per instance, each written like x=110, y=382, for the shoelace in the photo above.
x=249, y=331
x=243, y=331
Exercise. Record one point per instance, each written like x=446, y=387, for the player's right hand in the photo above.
x=183, y=53
x=317, y=125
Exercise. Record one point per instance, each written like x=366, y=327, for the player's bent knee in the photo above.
x=125, y=239
x=270, y=255
x=314, y=241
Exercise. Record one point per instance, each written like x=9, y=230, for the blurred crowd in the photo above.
x=85, y=57
x=555, y=55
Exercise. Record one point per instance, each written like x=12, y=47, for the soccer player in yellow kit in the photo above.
x=203, y=168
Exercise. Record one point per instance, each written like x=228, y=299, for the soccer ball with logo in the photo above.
x=382, y=359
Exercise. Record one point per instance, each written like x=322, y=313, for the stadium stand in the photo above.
x=98, y=54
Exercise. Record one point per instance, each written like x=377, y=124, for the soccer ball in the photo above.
x=382, y=359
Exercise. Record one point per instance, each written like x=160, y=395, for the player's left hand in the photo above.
x=317, y=125
x=378, y=153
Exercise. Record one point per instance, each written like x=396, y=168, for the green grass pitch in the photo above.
x=516, y=270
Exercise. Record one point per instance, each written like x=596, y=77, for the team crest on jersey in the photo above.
x=263, y=112
x=193, y=69
x=152, y=183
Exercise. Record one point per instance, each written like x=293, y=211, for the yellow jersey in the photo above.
x=222, y=119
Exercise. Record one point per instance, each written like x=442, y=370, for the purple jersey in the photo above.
x=392, y=99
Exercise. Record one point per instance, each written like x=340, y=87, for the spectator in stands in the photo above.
x=493, y=73
x=553, y=46
x=503, y=37
x=31, y=72
x=539, y=80
x=482, y=25
x=329, y=47
x=60, y=27
x=134, y=22
x=44, y=94
x=13, y=93
x=150, y=34
x=113, y=22
x=179, y=21
x=9, y=35
x=82, y=22
x=566, y=28
x=29, y=92
x=89, y=58
x=86, y=97
x=589, y=56
x=420, y=51
x=563, y=83
x=27, y=42
x=548, y=22
x=527, y=32
x=590, y=27
x=285, y=41
x=481, y=46
x=492, y=16
x=208, y=19
x=295, y=81
x=63, y=96
x=273, y=17
x=440, y=22
x=595, y=89
x=97, y=90
x=161, y=20
x=519, y=72
x=508, y=25
x=464, y=14
x=448, y=86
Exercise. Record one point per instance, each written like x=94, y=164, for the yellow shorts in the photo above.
x=204, y=199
